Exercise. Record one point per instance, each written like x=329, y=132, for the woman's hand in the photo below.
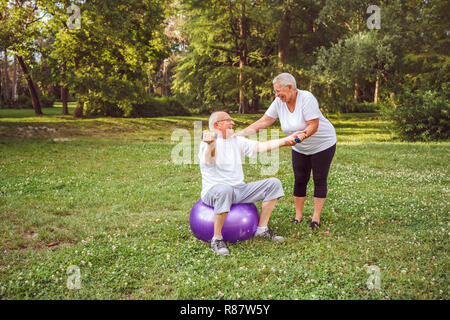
x=302, y=135
x=290, y=140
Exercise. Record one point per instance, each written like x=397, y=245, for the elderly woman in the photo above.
x=298, y=110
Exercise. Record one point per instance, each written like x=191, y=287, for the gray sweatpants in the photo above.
x=222, y=196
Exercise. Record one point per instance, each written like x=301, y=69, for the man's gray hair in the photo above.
x=285, y=79
x=213, y=119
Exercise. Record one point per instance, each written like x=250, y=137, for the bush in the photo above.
x=361, y=107
x=98, y=107
x=421, y=115
x=25, y=102
x=159, y=106
x=47, y=100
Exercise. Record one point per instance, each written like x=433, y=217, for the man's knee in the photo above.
x=222, y=193
x=220, y=197
x=275, y=183
x=274, y=189
x=223, y=190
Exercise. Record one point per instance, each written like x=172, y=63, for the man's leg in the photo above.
x=266, y=211
x=218, y=245
x=219, y=220
x=268, y=191
x=220, y=197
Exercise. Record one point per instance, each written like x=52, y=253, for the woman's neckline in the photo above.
x=295, y=105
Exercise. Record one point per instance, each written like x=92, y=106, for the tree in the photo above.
x=107, y=60
x=228, y=53
x=20, y=21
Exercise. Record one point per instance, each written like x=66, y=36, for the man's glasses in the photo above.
x=276, y=91
x=279, y=91
x=229, y=119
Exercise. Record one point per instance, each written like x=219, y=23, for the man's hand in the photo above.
x=209, y=136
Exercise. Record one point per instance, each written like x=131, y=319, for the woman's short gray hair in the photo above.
x=285, y=79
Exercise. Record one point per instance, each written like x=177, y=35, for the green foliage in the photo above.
x=422, y=114
x=159, y=106
x=151, y=107
x=207, y=74
x=362, y=56
x=360, y=107
x=47, y=100
x=107, y=61
x=99, y=107
x=24, y=102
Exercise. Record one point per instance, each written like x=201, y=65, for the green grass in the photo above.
x=106, y=193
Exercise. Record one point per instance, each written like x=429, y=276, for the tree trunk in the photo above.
x=165, y=78
x=64, y=96
x=64, y=92
x=78, y=113
x=255, y=102
x=6, y=75
x=356, y=88
x=15, y=80
x=377, y=90
x=31, y=87
x=283, y=37
x=243, y=34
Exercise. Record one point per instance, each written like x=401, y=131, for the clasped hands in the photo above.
x=290, y=140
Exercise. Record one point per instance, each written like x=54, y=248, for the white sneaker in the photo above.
x=219, y=247
x=269, y=235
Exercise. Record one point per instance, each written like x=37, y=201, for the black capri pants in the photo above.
x=319, y=163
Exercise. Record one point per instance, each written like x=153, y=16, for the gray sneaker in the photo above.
x=219, y=247
x=269, y=235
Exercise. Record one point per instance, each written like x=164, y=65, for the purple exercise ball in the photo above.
x=240, y=223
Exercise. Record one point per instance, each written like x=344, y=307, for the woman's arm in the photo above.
x=260, y=124
x=311, y=128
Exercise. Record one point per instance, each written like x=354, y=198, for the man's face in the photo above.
x=284, y=93
x=224, y=123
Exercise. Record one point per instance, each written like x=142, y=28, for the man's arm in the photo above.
x=277, y=143
x=210, y=153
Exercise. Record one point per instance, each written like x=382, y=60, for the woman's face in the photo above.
x=284, y=93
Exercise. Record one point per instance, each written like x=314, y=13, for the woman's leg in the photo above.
x=299, y=204
x=301, y=165
x=321, y=162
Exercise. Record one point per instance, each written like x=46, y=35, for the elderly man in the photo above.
x=223, y=177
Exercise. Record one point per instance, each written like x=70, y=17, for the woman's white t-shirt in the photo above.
x=306, y=108
x=228, y=166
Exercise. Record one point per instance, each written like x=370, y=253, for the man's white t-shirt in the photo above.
x=306, y=108
x=228, y=166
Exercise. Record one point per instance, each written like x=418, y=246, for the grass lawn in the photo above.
x=102, y=194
